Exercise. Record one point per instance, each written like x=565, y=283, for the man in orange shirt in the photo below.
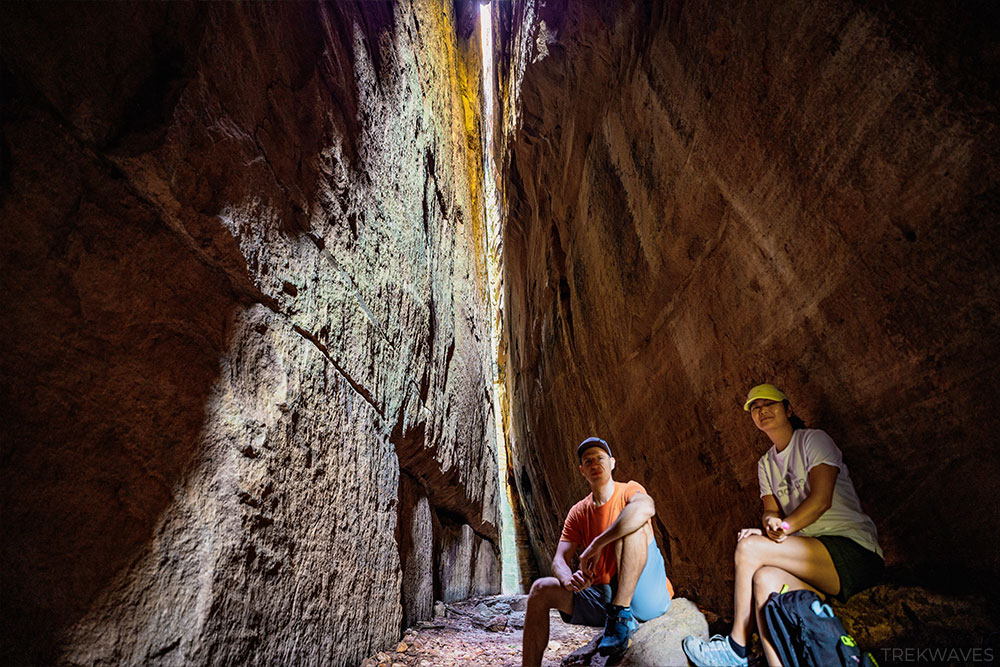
x=621, y=578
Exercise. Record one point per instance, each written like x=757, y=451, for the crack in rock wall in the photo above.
x=245, y=342
x=701, y=199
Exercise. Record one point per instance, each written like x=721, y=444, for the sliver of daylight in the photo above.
x=493, y=239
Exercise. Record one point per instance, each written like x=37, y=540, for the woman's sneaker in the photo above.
x=716, y=652
x=618, y=631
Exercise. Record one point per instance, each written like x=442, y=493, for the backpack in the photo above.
x=805, y=633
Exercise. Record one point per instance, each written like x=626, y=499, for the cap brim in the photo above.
x=765, y=395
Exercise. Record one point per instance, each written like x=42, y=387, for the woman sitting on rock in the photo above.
x=814, y=535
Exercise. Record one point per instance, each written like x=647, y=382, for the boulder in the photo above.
x=658, y=642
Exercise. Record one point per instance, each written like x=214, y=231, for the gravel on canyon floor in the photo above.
x=479, y=631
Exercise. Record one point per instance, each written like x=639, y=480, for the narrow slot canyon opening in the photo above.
x=307, y=307
x=493, y=251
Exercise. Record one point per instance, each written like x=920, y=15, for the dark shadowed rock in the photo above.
x=244, y=297
x=890, y=618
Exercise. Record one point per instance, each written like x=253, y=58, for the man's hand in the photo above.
x=588, y=559
x=577, y=582
x=747, y=532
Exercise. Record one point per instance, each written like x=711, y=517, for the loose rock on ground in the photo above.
x=488, y=631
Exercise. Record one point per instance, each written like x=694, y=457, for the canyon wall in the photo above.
x=704, y=197
x=245, y=339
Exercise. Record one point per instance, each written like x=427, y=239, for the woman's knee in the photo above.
x=749, y=550
x=767, y=580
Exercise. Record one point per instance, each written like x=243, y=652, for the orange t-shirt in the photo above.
x=586, y=521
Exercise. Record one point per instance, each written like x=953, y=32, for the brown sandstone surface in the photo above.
x=245, y=384
x=705, y=196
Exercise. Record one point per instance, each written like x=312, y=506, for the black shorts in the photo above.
x=651, y=598
x=589, y=606
x=858, y=568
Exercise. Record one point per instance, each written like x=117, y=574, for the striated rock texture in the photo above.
x=245, y=338
x=703, y=197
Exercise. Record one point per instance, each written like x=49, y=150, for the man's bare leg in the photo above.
x=546, y=593
x=630, y=552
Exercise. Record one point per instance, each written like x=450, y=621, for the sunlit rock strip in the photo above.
x=701, y=198
x=252, y=424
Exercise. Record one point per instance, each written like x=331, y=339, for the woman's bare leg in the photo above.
x=746, y=564
x=768, y=580
x=804, y=559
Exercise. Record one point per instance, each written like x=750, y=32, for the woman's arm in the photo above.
x=771, y=518
x=771, y=509
x=822, y=480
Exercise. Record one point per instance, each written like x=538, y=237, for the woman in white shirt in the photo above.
x=813, y=533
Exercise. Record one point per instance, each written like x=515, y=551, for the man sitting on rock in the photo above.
x=621, y=579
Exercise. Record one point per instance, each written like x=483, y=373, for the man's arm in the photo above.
x=639, y=509
x=563, y=571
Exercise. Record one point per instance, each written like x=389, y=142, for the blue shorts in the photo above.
x=651, y=598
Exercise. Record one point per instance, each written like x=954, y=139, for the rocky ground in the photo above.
x=487, y=631
x=896, y=623
x=478, y=631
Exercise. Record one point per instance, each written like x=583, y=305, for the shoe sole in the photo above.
x=607, y=653
x=698, y=663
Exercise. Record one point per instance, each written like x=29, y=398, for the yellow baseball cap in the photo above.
x=768, y=391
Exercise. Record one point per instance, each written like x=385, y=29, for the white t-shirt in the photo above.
x=785, y=475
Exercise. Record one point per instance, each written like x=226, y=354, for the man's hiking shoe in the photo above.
x=716, y=652
x=618, y=631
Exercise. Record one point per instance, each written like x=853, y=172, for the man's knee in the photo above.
x=638, y=537
x=543, y=591
x=634, y=542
